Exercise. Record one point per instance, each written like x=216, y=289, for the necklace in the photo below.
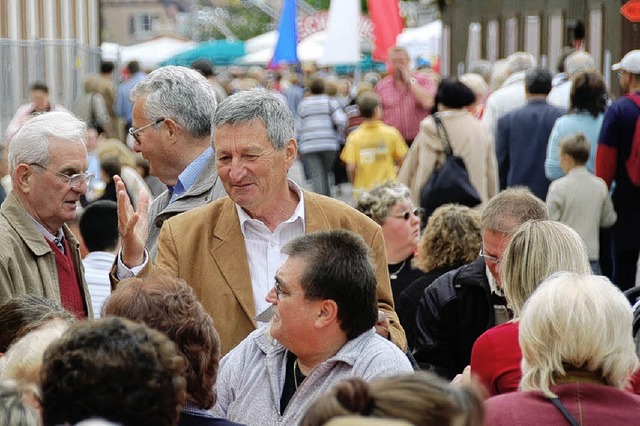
x=394, y=275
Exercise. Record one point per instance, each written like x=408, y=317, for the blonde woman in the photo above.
x=577, y=355
x=537, y=250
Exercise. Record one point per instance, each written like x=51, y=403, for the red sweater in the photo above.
x=495, y=359
x=70, y=292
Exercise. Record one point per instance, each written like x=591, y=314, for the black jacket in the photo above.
x=453, y=312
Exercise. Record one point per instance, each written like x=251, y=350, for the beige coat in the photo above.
x=27, y=263
x=469, y=139
x=205, y=247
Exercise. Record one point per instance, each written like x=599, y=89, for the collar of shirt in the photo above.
x=190, y=174
x=245, y=219
x=56, y=239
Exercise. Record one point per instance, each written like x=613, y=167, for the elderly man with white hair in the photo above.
x=40, y=255
x=575, y=63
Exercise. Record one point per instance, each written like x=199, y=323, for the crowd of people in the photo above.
x=162, y=267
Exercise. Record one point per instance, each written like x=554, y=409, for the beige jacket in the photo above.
x=469, y=140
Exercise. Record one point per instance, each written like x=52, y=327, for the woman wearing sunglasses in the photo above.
x=391, y=207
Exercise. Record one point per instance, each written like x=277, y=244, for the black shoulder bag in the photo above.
x=449, y=183
x=567, y=415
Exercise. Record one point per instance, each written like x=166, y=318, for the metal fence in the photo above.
x=62, y=64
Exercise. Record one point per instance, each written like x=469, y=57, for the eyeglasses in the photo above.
x=75, y=181
x=406, y=215
x=490, y=258
x=136, y=132
x=280, y=292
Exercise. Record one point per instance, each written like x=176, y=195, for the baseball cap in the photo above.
x=630, y=63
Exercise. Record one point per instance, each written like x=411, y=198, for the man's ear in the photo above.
x=290, y=151
x=327, y=313
x=172, y=129
x=23, y=177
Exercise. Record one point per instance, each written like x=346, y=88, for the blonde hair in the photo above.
x=576, y=321
x=421, y=399
x=538, y=249
x=23, y=360
x=451, y=238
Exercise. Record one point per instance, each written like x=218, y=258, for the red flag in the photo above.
x=387, y=24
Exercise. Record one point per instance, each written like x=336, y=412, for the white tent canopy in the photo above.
x=149, y=53
x=309, y=50
x=423, y=41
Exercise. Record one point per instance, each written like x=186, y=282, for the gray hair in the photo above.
x=181, y=94
x=258, y=104
x=521, y=61
x=380, y=200
x=14, y=408
x=579, y=61
x=31, y=143
x=577, y=321
x=481, y=67
x=509, y=209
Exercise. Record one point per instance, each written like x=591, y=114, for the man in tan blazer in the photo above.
x=229, y=250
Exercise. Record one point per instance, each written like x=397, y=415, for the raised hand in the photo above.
x=132, y=225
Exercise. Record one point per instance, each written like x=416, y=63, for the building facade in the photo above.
x=55, y=41
x=493, y=29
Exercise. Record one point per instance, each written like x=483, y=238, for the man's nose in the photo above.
x=271, y=296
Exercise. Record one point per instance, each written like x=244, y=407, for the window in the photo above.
x=510, y=36
x=595, y=36
x=493, y=40
x=141, y=24
x=555, y=40
x=532, y=35
x=474, y=46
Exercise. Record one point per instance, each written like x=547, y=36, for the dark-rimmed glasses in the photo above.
x=136, y=132
x=489, y=257
x=406, y=215
x=75, y=181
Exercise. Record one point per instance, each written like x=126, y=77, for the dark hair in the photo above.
x=26, y=312
x=133, y=67
x=316, y=85
x=537, y=80
x=115, y=369
x=39, y=85
x=339, y=267
x=367, y=103
x=99, y=226
x=204, y=67
x=111, y=165
x=106, y=67
x=166, y=303
x=453, y=93
x=577, y=147
x=588, y=93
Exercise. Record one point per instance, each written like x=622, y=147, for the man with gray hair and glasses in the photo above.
x=40, y=255
x=464, y=303
x=229, y=250
x=172, y=112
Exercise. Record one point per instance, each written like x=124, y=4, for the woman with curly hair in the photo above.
x=421, y=399
x=451, y=239
x=390, y=206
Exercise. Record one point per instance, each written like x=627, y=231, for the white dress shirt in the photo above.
x=264, y=247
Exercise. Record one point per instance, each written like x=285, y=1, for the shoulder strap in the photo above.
x=635, y=98
x=567, y=415
x=442, y=132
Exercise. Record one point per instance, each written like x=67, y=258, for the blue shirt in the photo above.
x=190, y=174
x=568, y=125
x=123, y=107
